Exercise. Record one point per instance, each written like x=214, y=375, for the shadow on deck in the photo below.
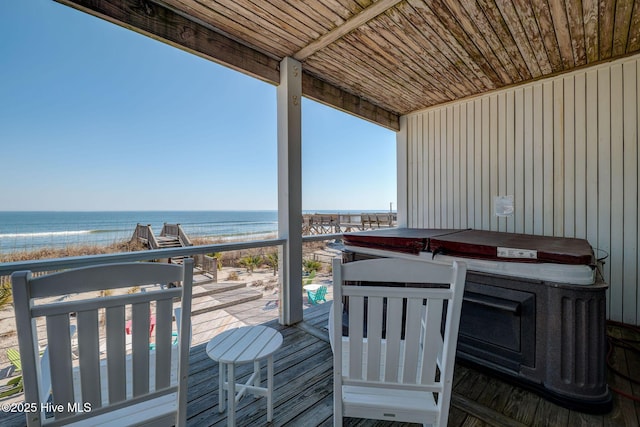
x=303, y=389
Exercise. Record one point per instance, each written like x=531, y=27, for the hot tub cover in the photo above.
x=478, y=244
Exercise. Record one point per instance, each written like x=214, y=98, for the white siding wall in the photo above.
x=566, y=148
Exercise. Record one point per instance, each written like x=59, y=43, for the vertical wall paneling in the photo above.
x=547, y=156
x=558, y=157
x=617, y=186
x=471, y=202
x=442, y=161
x=502, y=154
x=580, y=188
x=436, y=171
x=518, y=169
x=456, y=166
x=565, y=147
x=424, y=122
x=412, y=180
x=510, y=121
x=493, y=159
x=485, y=160
x=569, y=157
x=604, y=181
x=592, y=156
x=431, y=170
x=478, y=164
x=420, y=176
x=449, y=190
x=538, y=182
x=402, y=141
x=528, y=160
x=630, y=195
x=463, y=167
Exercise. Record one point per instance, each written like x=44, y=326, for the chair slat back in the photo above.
x=109, y=377
x=397, y=336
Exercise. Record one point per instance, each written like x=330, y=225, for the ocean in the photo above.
x=26, y=231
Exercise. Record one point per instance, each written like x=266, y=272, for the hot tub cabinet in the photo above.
x=534, y=307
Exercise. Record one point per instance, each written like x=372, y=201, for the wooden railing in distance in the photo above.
x=176, y=230
x=144, y=234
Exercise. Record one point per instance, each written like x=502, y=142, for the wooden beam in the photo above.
x=349, y=25
x=326, y=93
x=161, y=23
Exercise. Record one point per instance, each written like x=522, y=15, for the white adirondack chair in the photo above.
x=400, y=350
x=144, y=387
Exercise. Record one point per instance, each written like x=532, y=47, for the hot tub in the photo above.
x=534, y=308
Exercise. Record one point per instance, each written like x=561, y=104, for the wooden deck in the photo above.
x=303, y=395
x=303, y=389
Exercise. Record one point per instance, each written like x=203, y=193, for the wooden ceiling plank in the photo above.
x=451, y=40
x=363, y=3
x=282, y=31
x=501, y=28
x=327, y=94
x=381, y=48
x=383, y=89
x=381, y=93
x=346, y=8
x=317, y=12
x=532, y=31
x=624, y=8
x=351, y=24
x=548, y=33
x=469, y=37
x=590, y=17
x=386, y=82
x=607, y=16
x=421, y=50
x=478, y=17
x=561, y=24
x=280, y=14
x=428, y=40
x=366, y=46
x=633, y=45
x=384, y=75
x=384, y=43
x=244, y=29
x=576, y=27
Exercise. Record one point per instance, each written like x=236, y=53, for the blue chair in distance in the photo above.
x=317, y=296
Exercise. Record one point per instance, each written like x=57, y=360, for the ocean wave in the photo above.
x=47, y=234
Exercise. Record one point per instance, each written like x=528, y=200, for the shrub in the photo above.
x=218, y=257
x=250, y=262
x=309, y=265
x=6, y=294
x=272, y=260
x=309, y=279
x=233, y=276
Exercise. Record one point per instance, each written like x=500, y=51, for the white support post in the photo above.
x=401, y=168
x=290, y=189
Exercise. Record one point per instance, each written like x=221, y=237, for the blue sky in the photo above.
x=96, y=117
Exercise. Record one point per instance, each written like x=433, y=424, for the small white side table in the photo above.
x=242, y=345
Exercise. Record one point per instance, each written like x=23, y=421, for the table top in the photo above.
x=245, y=344
x=311, y=287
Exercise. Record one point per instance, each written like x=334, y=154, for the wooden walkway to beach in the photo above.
x=304, y=397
